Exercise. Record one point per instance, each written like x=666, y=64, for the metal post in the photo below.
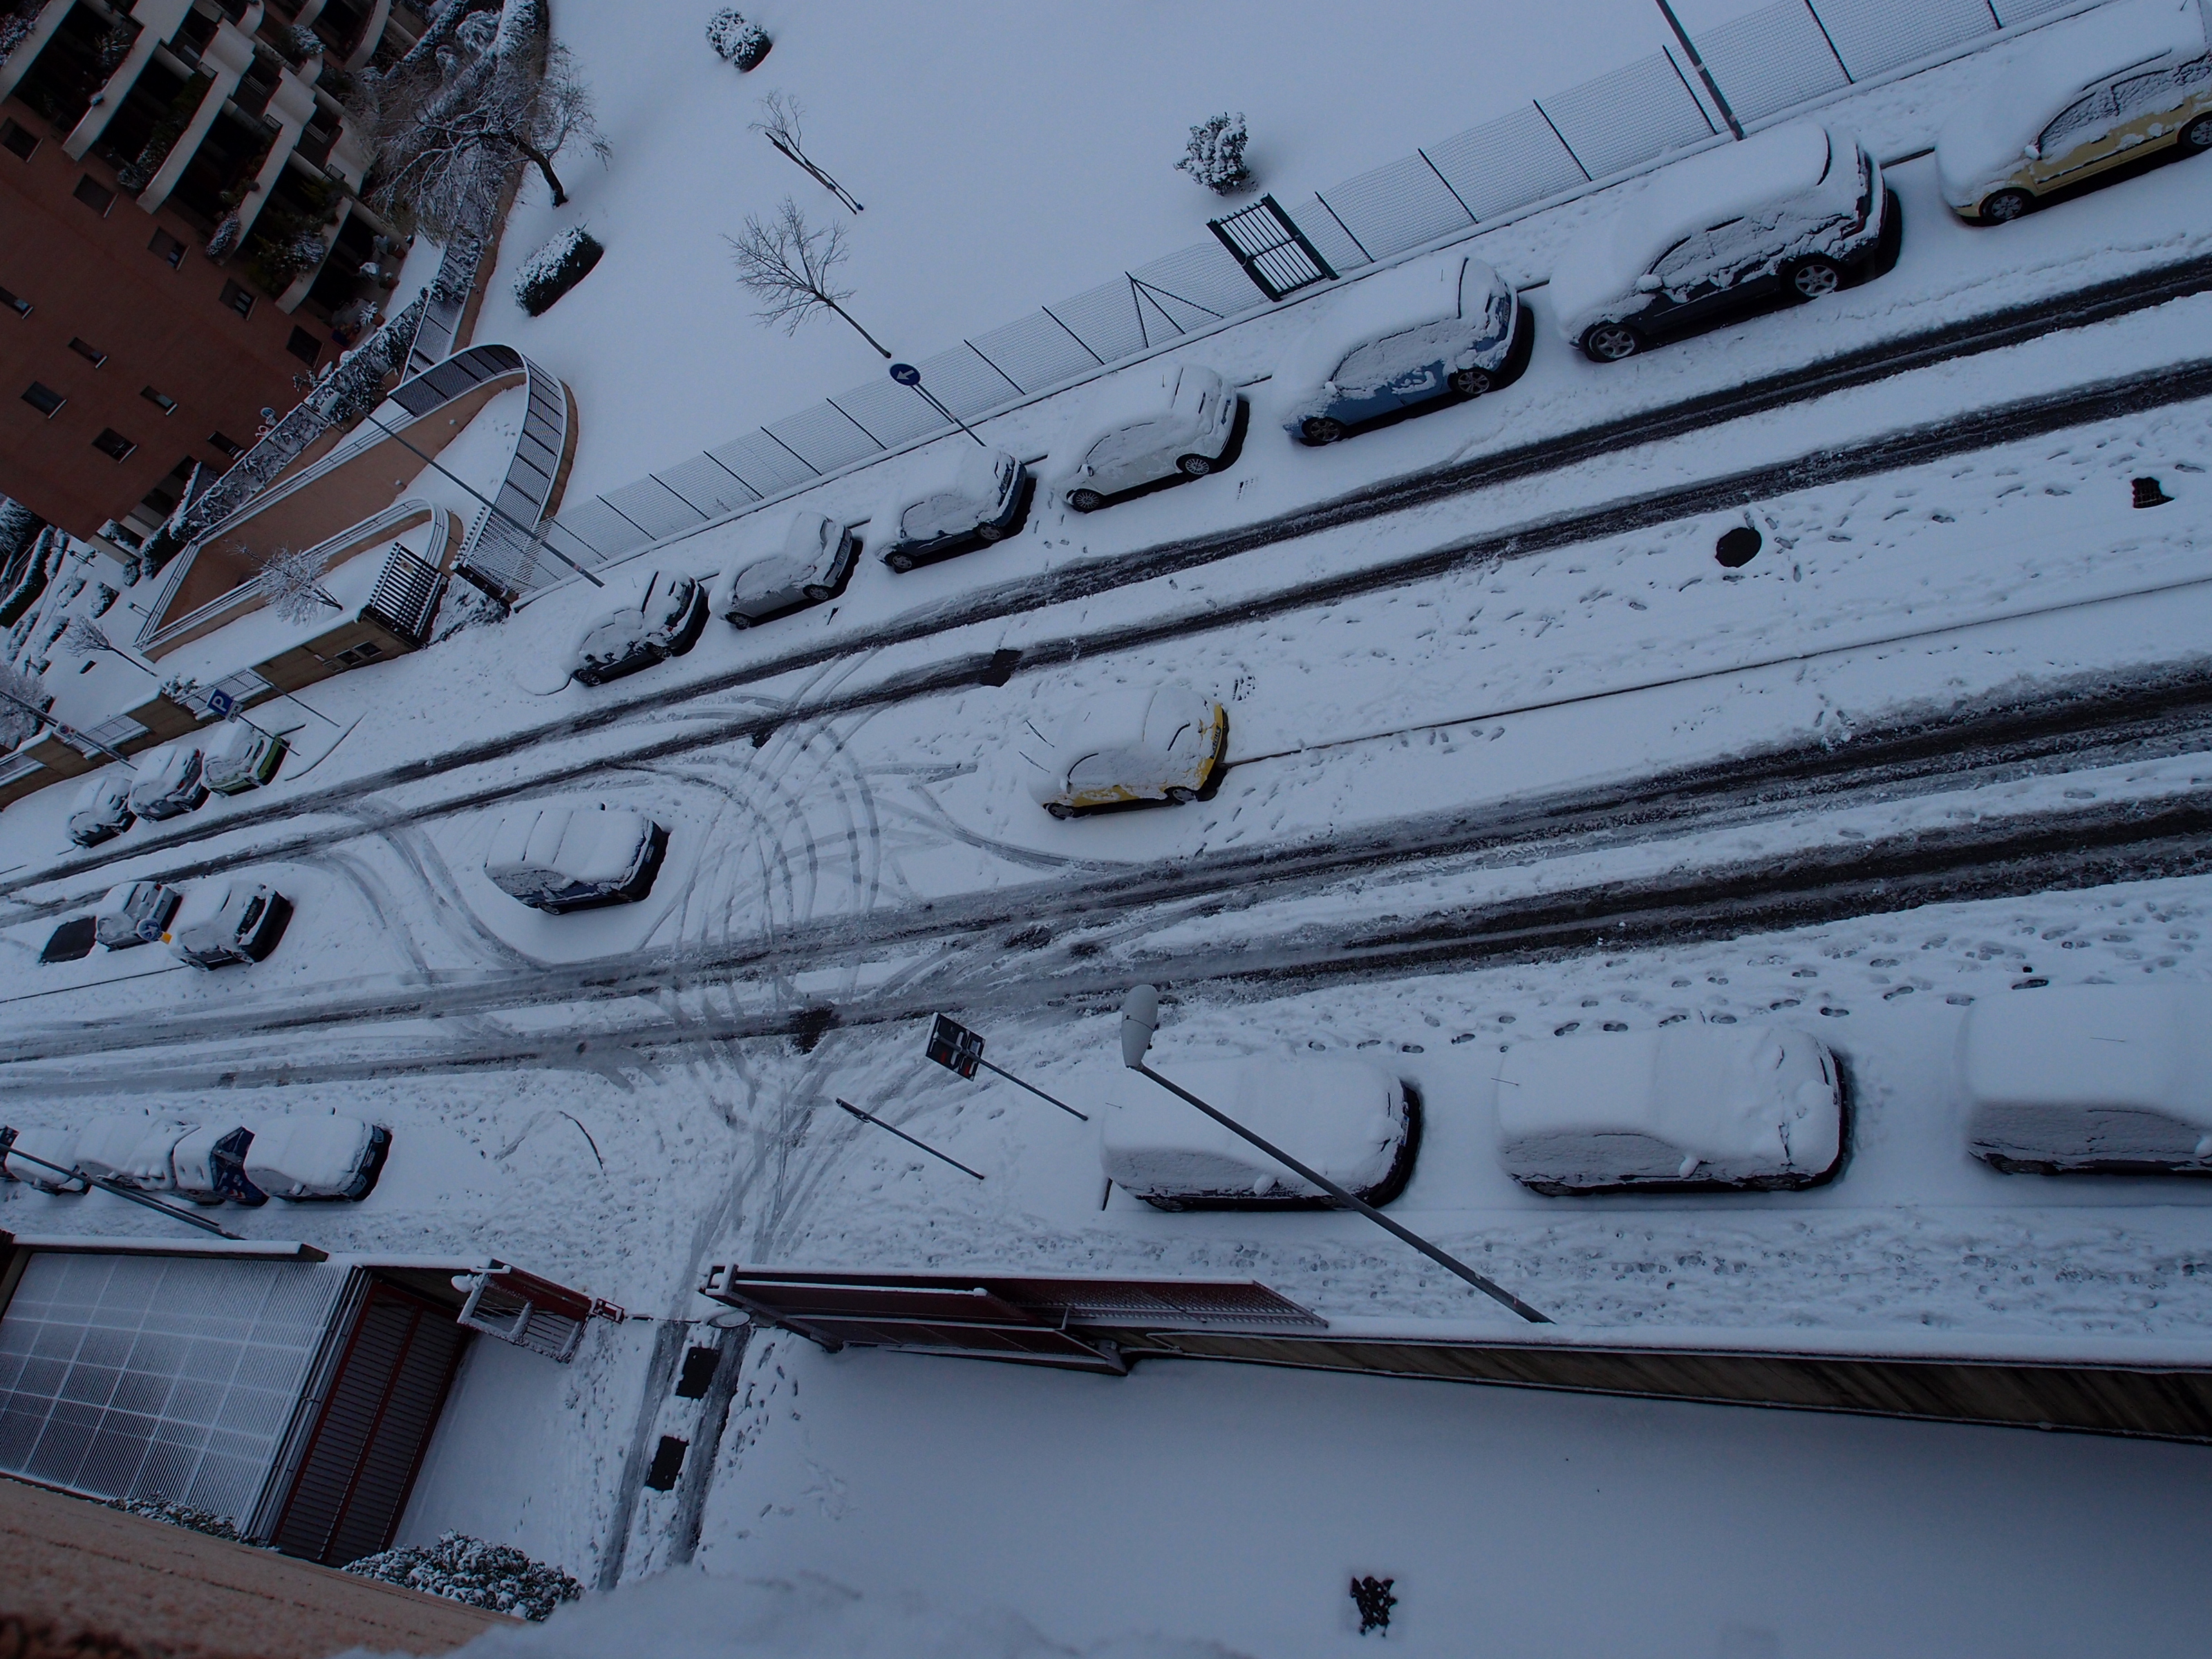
x=1698, y=63
x=870, y=1117
x=1139, y=1012
x=1001, y=1072
x=908, y=374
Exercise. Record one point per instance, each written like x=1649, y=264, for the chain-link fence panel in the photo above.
x=1392, y=208
x=1772, y=59
x=1874, y=35
x=1639, y=111
x=1506, y=163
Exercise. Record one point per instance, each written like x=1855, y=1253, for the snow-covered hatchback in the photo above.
x=1148, y=425
x=1797, y=212
x=1127, y=745
x=103, y=810
x=967, y=497
x=2091, y=94
x=665, y=621
x=221, y=922
x=135, y=912
x=1349, y=1120
x=169, y=783
x=1694, y=1106
x=301, y=1159
x=809, y=566
x=240, y=757
x=575, y=858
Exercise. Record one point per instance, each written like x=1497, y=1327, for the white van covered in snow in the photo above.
x=2104, y=1077
x=573, y=858
x=1740, y=1106
x=1353, y=1122
x=301, y=1159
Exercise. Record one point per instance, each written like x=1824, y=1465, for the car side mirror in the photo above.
x=1648, y=283
x=2033, y=152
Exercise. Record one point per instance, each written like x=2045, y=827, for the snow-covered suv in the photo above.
x=1796, y=212
x=169, y=784
x=575, y=858
x=225, y=921
x=665, y=621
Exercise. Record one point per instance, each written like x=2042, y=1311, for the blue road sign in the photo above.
x=222, y=704
x=906, y=375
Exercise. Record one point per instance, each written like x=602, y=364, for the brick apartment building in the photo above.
x=133, y=136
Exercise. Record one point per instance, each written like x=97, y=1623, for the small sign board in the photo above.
x=906, y=375
x=954, y=1046
x=222, y=704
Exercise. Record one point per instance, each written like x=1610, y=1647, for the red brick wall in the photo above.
x=95, y=279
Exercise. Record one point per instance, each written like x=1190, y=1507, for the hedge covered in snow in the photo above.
x=464, y=1569
x=735, y=40
x=555, y=269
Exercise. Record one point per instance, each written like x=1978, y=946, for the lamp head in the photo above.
x=1140, y=1015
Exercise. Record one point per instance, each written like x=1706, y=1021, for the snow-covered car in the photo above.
x=664, y=620
x=1149, y=424
x=2093, y=1078
x=1796, y=211
x=169, y=783
x=130, y=1150
x=208, y=1165
x=301, y=1159
x=224, y=921
x=103, y=810
x=52, y=1146
x=1133, y=744
x=812, y=564
x=240, y=757
x=574, y=858
x=1352, y=1121
x=2084, y=97
x=967, y=497
x=1415, y=338
x=135, y=912
x=1710, y=1106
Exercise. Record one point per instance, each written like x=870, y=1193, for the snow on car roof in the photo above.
x=1331, y=1114
x=1148, y=392
x=1986, y=139
x=202, y=904
x=1112, y=718
x=1374, y=308
x=1604, y=259
x=2141, y=1046
x=967, y=471
x=584, y=844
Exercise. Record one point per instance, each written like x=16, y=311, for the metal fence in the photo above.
x=1779, y=58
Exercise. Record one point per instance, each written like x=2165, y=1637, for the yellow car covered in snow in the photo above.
x=1128, y=745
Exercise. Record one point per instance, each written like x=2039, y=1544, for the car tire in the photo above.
x=1060, y=809
x=1321, y=429
x=901, y=563
x=1608, y=343
x=1471, y=382
x=1181, y=795
x=1193, y=466
x=989, y=533
x=737, y=621
x=1085, y=501
x=2197, y=135
x=2003, y=206
x=815, y=592
x=1814, y=279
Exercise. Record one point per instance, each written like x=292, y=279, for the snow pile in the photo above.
x=179, y=1515
x=464, y=1569
x=1215, y=155
x=555, y=269
x=694, y=1615
x=735, y=40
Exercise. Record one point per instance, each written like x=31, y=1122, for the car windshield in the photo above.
x=252, y=914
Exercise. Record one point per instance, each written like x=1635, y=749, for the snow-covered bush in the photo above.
x=37, y=570
x=1216, y=155
x=555, y=269
x=178, y=1514
x=735, y=40
x=298, y=43
x=17, y=21
x=18, y=524
x=224, y=240
x=464, y=1569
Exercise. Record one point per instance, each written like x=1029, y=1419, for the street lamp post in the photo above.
x=1140, y=1017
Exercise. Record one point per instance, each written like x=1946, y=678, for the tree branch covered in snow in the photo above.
x=791, y=268
x=83, y=637
x=292, y=584
x=481, y=91
x=19, y=687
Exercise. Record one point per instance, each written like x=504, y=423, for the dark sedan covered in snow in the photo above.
x=810, y=565
x=665, y=621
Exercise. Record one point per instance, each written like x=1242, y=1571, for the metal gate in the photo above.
x=1274, y=252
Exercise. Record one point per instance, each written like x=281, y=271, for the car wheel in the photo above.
x=1470, y=382
x=901, y=563
x=989, y=533
x=1194, y=466
x=2006, y=205
x=1815, y=279
x=1060, y=809
x=1085, y=501
x=2197, y=135
x=1608, y=343
x=1321, y=429
x=1182, y=796
x=736, y=620
x=815, y=592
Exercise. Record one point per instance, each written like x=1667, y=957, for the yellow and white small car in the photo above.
x=1128, y=745
x=2091, y=94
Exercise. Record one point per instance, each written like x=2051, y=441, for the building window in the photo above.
x=113, y=444
x=167, y=405
x=91, y=354
x=233, y=450
x=44, y=398
x=238, y=299
x=168, y=249
x=304, y=346
x=18, y=140
x=95, y=195
x=20, y=307
x=367, y=650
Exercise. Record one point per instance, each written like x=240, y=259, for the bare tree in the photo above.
x=292, y=584
x=779, y=124
x=447, y=123
x=791, y=270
